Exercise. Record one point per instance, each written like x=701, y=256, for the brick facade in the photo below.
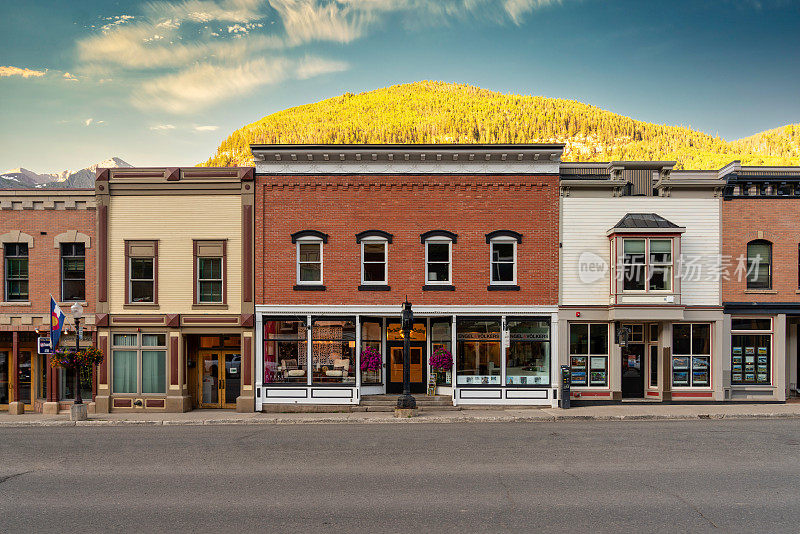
x=774, y=220
x=406, y=206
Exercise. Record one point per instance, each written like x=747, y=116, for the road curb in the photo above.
x=431, y=418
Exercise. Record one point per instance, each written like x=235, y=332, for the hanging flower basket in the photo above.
x=72, y=359
x=441, y=362
x=371, y=362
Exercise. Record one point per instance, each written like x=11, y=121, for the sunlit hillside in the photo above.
x=437, y=112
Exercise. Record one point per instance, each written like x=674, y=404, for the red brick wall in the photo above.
x=779, y=220
x=44, y=260
x=406, y=206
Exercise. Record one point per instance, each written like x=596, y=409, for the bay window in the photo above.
x=588, y=354
x=647, y=264
x=691, y=355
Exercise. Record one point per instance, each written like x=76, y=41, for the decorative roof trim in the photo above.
x=408, y=159
x=504, y=233
x=309, y=233
x=374, y=233
x=438, y=233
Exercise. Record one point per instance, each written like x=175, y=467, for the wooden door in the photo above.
x=219, y=378
x=417, y=369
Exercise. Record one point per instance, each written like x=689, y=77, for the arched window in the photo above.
x=759, y=264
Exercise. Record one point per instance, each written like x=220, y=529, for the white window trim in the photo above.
x=449, y=243
x=373, y=241
x=503, y=240
x=648, y=266
x=691, y=355
x=588, y=355
x=307, y=241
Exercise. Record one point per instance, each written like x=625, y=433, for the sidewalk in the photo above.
x=610, y=413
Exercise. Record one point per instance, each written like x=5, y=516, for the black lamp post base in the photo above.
x=406, y=402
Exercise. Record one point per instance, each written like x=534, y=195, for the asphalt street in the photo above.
x=603, y=476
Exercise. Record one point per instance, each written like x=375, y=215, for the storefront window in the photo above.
x=691, y=355
x=371, y=337
x=528, y=353
x=588, y=349
x=441, y=330
x=333, y=355
x=751, y=351
x=285, y=352
x=136, y=370
x=479, y=347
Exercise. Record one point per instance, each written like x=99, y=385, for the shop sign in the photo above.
x=45, y=346
x=478, y=336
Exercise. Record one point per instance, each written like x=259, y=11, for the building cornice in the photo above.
x=407, y=159
x=47, y=199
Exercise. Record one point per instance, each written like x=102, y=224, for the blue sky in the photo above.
x=163, y=82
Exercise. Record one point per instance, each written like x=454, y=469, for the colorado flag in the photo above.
x=56, y=323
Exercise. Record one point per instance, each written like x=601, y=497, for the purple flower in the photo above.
x=370, y=359
x=441, y=360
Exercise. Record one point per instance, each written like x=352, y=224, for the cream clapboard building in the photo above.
x=640, y=303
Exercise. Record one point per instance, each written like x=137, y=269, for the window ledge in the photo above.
x=12, y=303
x=761, y=291
x=502, y=287
x=144, y=305
x=210, y=306
x=438, y=287
x=68, y=303
x=309, y=287
x=375, y=287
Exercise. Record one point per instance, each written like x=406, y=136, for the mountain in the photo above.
x=438, y=112
x=21, y=178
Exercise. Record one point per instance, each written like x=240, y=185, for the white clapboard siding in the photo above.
x=175, y=221
x=585, y=222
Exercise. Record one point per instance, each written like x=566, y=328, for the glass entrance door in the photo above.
x=633, y=371
x=26, y=378
x=220, y=379
x=417, y=369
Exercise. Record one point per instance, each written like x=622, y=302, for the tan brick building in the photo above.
x=47, y=247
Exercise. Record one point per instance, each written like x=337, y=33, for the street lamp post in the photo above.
x=407, y=401
x=77, y=313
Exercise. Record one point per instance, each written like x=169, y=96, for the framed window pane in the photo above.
x=124, y=368
x=598, y=374
x=682, y=339
x=528, y=353
x=142, y=292
x=661, y=278
x=478, y=352
x=310, y=272
x=285, y=352
x=374, y=272
x=503, y=252
x=124, y=340
x=701, y=371
x=141, y=268
x=209, y=268
x=438, y=272
x=310, y=252
x=333, y=355
x=750, y=358
x=751, y=324
x=154, y=340
x=634, y=277
x=701, y=339
x=154, y=371
x=502, y=272
x=374, y=252
x=210, y=291
x=599, y=339
x=578, y=338
x=439, y=252
x=759, y=260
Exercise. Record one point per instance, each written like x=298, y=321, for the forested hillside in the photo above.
x=437, y=112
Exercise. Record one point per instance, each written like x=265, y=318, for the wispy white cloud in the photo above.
x=22, y=72
x=163, y=127
x=88, y=121
x=208, y=128
x=69, y=77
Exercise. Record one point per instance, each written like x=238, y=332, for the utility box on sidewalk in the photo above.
x=566, y=379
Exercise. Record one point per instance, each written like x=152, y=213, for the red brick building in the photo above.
x=47, y=248
x=344, y=234
x=761, y=294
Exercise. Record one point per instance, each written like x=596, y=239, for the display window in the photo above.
x=333, y=354
x=371, y=333
x=139, y=363
x=528, y=353
x=285, y=352
x=588, y=349
x=479, y=345
x=751, y=351
x=691, y=355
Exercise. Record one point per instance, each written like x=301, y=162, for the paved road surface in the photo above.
x=672, y=476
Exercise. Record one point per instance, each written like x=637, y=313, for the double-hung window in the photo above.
x=503, y=257
x=142, y=272
x=209, y=258
x=139, y=363
x=691, y=355
x=309, y=245
x=16, y=260
x=438, y=257
x=759, y=264
x=647, y=264
x=73, y=271
x=374, y=264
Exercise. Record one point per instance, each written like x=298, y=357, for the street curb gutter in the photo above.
x=420, y=419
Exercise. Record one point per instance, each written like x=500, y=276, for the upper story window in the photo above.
x=438, y=257
x=374, y=256
x=503, y=256
x=309, y=245
x=209, y=258
x=73, y=271
x=647, y=264
x=16, y=268
x=759, y=264
x=142, y=272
